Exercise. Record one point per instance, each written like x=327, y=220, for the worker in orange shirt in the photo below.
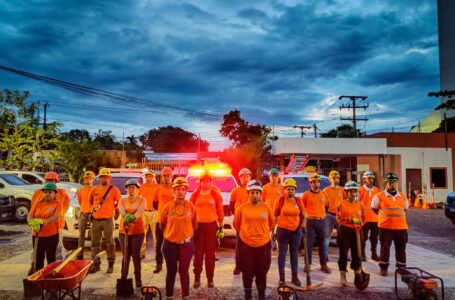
x=61, y=196
x=253, y=221
x=391, y=206
x=239, y=195
x=44, y=219
x=104, y=200
x=351, y=216
x=178, y=221
x=147, y=191
x=315, y=202
x=290, y=216
x=131, y=223
x=271, y=192
x=163, y=195
x=366, y=193
x=83, y=197
x=210, y=215
x=335, y=196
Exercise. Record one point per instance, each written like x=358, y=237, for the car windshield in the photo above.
x=225, y=184
x=13, y=180
x=303, y=184
x=119, y=181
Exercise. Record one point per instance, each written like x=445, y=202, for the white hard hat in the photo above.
x=368, y=174
x=351, y=185
x=244, y=171
x=254, y=185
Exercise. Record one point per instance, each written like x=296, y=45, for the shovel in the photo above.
x=125, y=285
x=56, y=272
x=362, y=279
x=309, y=286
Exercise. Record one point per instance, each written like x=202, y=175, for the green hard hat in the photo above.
x=274, y=171
x=49, y=186
x=390, y=177
x=132, y=182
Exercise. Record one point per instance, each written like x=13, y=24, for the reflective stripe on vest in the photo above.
x=392, y=213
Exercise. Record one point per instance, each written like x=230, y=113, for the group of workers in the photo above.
x=263, y=217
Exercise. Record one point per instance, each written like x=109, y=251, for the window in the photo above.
x=438, y=177
x=32, y=179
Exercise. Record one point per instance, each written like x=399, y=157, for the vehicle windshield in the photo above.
x=225, y=184
x=303, y=185
x=13, y=180
x=119, y=181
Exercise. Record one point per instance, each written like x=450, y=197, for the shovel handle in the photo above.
x=67, y=260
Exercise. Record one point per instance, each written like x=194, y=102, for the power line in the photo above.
x=354, y=118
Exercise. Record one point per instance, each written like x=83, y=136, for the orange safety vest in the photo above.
x=392, y=211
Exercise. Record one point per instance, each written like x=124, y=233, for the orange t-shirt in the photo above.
x=239, y=195
x=107, y=210
x=290, y=213
x=163, y=194
x=147, y=192
x=366, y=196
x=315, y=203
x=208, y=208
x=61, y=196
x=347, y=210
x=271, y=192
x=135, y=207
x=83, y=197
x=45, y=210
x=178, y=221
x=335, y=196
x=254, y=223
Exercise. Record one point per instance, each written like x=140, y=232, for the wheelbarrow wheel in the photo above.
x=51, y=295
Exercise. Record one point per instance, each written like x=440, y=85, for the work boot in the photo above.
x=197, y=281
x=236, y=271
x=281, y=282
x=296, y=281
x=94, y=269
x=305, y=268
x=343, y=280
x=248, y=295
x=138, y=283
x=374, y=254
x=261, y=294
x=210, y=283
x=383, y=272
x=364, y=258
x=325, y=269
x=158, y=268
x=110, y=268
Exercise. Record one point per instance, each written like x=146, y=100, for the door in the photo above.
x=413, y=181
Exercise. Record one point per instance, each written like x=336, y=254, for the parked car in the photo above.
x=29, y=176
x=7, y=207
x=71, y=230
x=450, y=207
x=302, y=182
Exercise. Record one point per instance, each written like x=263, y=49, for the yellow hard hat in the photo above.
x=290, y=182
x=334, y=173
x=314, y=177
x=149, y=172
x=89, y=174
x=104, y=172
x=180, y=181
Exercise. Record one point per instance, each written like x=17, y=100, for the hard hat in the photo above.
x=314, y=176
x=149, y=172
x=368, y=174
x=88, y=174
x=50, y=186
x=351, y=185
x=274, y=171
x=166, y=171
x=180, y=181
x=290, y=182
x=334, y=173
x=244, y=171
x=254, y=185
x=132, y=182
x=205, y=175
x=391, y=177
x=104, y=172
x=51, y=176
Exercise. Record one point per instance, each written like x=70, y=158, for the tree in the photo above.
x=20, y=137
x=132, y=143
x=107, y=140
x=251, y=142
x=450, y=125
x=77, y=135
x=173, y=140
x=342, y=131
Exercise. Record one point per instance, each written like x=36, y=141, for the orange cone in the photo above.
x=410, y=202
x=417, y=203
x=425, y=202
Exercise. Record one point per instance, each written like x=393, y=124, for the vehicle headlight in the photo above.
x=70, y=212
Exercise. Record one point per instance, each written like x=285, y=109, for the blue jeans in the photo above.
x=292, y=239
x=181, y=255
x=316, y=230
x=331, y=222
x=134, y=250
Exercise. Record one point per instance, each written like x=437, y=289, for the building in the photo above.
x=420, y=159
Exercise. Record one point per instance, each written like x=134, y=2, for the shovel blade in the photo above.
x=309, y=287
x=362, y=280
x=125, y=287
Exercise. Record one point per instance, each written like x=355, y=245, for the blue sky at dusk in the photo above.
x=281, y=63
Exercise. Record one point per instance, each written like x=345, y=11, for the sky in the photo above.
x=186, y=63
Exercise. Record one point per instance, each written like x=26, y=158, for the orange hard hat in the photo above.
x=166, y=171
x=51, y=176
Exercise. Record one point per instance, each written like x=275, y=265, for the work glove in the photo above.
x=220, y=233
x=356, y=221
x=129, y=218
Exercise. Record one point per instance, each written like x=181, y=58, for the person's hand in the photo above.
x=130, y=218
x=356, y=221
x=220, y=233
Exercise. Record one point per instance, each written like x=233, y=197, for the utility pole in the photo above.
x=302, y=127
x=46, y=105
x=354, y=118
x=315, y=130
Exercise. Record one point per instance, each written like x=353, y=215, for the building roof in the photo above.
x=415, y=140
